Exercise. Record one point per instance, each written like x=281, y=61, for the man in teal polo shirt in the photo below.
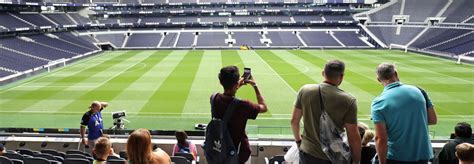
x=401, y=115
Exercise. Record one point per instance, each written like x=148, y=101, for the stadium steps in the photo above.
x=71, y=18
x=161, y=40
x=177, y=38
x=441, y=12
x=13, y=15
x=195, y=40
x=402, y=7
x=417, y=36
x=468, y=19
x=45, y=45
x=376, y=9
x=335, y=38
x=447, y=41
x=301, y=39
x=125, y=40
x=26, y=54
x=373, y=36
x=45, y=17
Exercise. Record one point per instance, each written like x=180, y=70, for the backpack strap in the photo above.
x=425, y=96
x=230, y=110
x=213, y=97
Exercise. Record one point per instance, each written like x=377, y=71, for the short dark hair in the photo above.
x=463, y=129
x=229, y=76
x=334, y=69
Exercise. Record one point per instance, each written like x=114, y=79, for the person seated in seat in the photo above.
x=2, y=149
x=183, y=145
x=102, y=149
x=139, y=149
x=463, y=132
x=465, y=153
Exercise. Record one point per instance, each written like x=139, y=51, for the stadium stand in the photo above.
x=319, y=39
x=9, y=21
x=393, y=35
x=419, y=10
x=385, y=14
x=212, y=39
x=143, y=40
x=248, y=38
x=60, y=18
x=186, y=39
x=458, y=11
x=283, y=39
x=36, y=19
x=114, y=39
x=350, y=39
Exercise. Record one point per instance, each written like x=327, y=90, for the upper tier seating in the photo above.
x=385, y=15
x=8, y=21
x=36, y=19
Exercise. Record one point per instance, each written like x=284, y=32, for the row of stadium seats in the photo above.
x=221, y=39
x=15, y=20
x=181, y=1
x=19, y=54
x=457, y=11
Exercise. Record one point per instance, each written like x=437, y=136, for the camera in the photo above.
x=247, y=74
x=119, y=114
x=119, y=119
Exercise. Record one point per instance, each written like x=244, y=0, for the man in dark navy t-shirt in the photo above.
x=231, y=81
x=92, y=119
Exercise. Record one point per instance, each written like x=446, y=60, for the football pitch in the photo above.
x=170, y=89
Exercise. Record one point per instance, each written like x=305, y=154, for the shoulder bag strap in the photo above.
x=321, y=98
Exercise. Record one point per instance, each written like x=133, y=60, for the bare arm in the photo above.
x=260, y=99
x=354, y=141
x=295, y=123
x=381, y=140
x=82, y=131
x=104, y=104
x=432, y=118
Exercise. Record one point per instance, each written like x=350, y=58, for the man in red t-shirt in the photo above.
x=231, y=81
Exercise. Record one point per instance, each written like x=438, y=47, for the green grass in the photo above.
x=170, y=90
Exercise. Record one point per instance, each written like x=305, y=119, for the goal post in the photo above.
x=57, y=63
x=398, y=46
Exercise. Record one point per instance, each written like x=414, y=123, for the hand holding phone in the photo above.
x=247, y=75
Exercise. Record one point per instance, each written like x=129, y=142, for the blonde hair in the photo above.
x=368, y=136
x=102, y=147
x=139, y=147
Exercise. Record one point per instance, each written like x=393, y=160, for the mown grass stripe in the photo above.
x=205, y=83
x=174, y=91
x=45, y=92
x=285, y=70
x=115, y=86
